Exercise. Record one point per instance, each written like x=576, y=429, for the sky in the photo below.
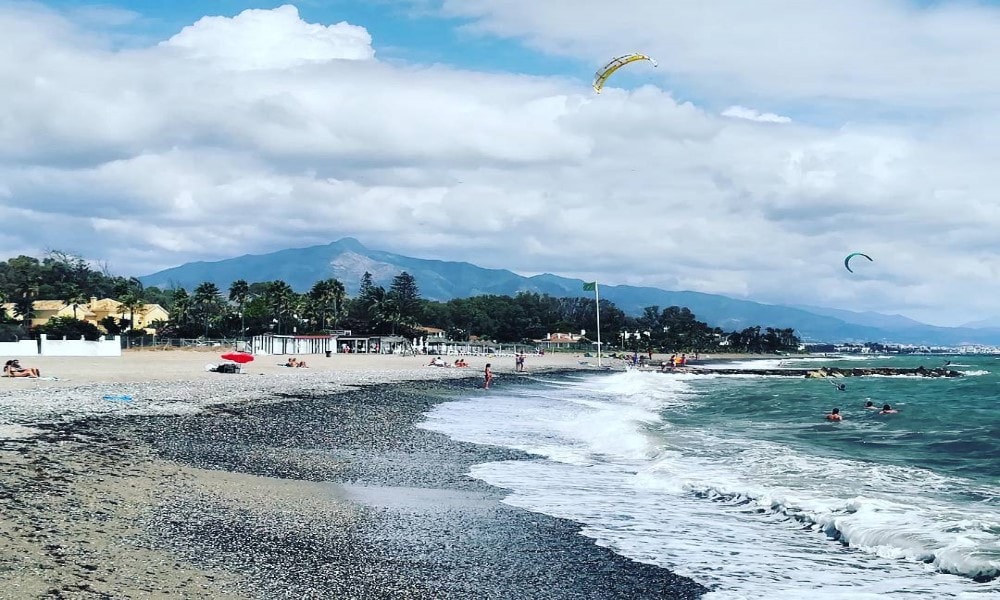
x=773, y=138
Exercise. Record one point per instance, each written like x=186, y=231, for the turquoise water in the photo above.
x=740, y=483
x=948, y=425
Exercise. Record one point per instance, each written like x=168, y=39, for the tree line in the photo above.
x=251, y=308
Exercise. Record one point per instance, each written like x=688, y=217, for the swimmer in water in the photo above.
x=887, y=410
x=842, y=387
x=870, y=405
x=834, y=415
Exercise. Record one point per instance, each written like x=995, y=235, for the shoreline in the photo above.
x=176, y=381
x=212, y=502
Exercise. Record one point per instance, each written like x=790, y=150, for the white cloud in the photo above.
x=261, y=132
x=851, y=50
x=751, y=114
x=271, y=39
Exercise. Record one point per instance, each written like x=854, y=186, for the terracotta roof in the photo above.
x=55, y=305
x=81, y=311
x=106, y=304
x=49, y=304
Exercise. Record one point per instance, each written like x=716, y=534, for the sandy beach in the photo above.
x=147, y=476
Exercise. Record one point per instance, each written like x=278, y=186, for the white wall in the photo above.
x=19, y=348
x=281, y=344
x=81, y=347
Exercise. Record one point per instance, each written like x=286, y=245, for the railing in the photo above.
x=155, y=342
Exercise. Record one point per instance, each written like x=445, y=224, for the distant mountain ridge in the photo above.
x=347, y=260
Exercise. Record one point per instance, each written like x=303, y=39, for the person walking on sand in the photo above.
x=487, y=376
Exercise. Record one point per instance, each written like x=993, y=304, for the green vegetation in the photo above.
x=251, y=308
x=70, y=328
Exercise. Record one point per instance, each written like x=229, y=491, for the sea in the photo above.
x=739, y=482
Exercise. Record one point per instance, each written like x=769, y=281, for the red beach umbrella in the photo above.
x=238, y=357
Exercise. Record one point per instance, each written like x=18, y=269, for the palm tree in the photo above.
x=239, y=292
x=130, y=304
x=75, y=297
x=180, y=307
x=338, y=295
x=280, y=299
x=327, y=293
x=24, y=305
x=206, y=302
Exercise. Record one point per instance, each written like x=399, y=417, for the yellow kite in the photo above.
x=602, y=75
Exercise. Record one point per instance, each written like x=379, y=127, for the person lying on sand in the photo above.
x=13, y=368
x=294, y=362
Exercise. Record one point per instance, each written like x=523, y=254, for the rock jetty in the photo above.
x=824, y=372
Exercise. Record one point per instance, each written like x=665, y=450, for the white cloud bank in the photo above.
x=752, y=114
x=258, y=132
x=271, y=39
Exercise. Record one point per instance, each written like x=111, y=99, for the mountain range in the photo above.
x=348, y=259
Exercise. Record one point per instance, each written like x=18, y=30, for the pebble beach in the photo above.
x=147, y=476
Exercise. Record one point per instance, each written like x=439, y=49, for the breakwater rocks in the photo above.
x=824, y=372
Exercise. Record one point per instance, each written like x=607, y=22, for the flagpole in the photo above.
x=597, y=307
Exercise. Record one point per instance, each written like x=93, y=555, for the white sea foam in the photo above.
x=751, y=519
x=13, y=432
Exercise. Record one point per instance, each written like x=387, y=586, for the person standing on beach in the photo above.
x=519, y=362
x=487, y=376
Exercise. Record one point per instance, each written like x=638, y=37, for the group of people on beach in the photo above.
x=887, y=409
x=13, y=368
x=294, y=362
x=440, y=362
x=674, y=362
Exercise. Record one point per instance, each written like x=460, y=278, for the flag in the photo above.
x=590, y=287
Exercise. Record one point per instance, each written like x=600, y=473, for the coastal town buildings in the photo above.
x=94, y=311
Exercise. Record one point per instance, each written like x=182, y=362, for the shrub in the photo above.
x=70, y=328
